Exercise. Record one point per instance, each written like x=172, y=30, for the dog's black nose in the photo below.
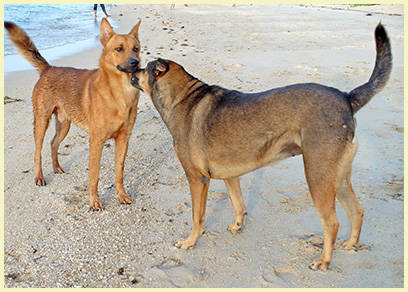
x=133, y=61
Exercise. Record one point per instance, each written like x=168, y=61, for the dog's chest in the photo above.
x=123, y=114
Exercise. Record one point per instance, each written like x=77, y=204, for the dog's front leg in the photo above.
x=121, y=147
x=199, y=191
x=95, y=153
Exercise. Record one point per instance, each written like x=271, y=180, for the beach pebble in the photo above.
x=12, y=275
x=134, y=279
x=109, y=186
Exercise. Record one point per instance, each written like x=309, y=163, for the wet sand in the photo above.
x=51, y=239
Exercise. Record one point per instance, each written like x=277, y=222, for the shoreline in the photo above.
x=15, y=63
x=51, y=239
x=388, y=9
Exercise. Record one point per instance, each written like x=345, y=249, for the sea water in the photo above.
x=55, y=29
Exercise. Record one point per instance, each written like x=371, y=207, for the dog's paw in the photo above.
x=235, y=227
x=40, y=181
x=58, y=169
x=319, y=264
x=95, y=205
x=124, y=199
x=348, y=245
x=184, y=243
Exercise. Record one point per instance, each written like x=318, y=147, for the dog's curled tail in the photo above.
x=26, y=47
x=361, y=95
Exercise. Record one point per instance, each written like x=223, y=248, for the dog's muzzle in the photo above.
x=132, y=66
x=134, y=81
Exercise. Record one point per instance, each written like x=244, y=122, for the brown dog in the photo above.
x=102, y=102
x=222, y=134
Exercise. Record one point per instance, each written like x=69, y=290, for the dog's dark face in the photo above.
x=144, y=79
x=121, y=51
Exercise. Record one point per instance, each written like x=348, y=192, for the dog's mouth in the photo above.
x=127, y=69
x=134, y=81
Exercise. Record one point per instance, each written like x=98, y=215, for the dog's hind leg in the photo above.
x=347, y=197
x=199, y=192
x=61, y=131
x=321, y=175
x=41, y=121
x=235, y=194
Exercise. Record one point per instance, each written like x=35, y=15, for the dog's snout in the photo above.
x=129, y=67
x=133, y=61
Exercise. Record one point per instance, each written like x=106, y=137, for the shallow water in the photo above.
x=53, y=25
x=57, y=30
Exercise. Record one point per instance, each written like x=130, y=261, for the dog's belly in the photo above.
x=240, y=163
x=81, y=123
x=71, y=112
x=224, y=170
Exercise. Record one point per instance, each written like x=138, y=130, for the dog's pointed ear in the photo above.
x=135, y=30
x=106, y=31
x=161, y=68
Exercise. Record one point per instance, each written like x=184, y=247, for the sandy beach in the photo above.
x=52, y=239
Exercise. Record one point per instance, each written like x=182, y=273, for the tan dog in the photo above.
x=101, y=102
x=222, y=134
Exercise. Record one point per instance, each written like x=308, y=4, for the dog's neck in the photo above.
x=119, y=81
x=174, y=100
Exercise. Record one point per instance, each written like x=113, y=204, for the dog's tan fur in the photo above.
x=101, y=102
x=220, y=133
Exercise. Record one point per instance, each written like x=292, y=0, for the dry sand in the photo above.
x=51, y=238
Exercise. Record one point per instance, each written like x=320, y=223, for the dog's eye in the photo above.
x=135, y=49
x=119, y=49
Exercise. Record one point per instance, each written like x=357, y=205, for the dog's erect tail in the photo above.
x=361, y=95
x=26, y=47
